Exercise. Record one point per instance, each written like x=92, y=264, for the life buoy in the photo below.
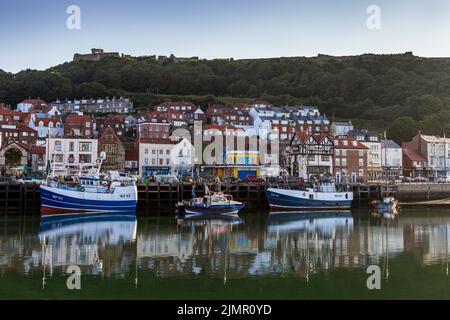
x=82, y=189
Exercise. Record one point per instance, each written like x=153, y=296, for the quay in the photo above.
x=162, y=198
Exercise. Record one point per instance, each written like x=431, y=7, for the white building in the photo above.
x=391, y=158
x=71, y=154
x=341, y=128
x=164, y=156
x=46, y=127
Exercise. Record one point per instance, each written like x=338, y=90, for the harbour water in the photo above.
x=256, y=256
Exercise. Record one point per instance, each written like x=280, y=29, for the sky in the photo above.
x=34, y=33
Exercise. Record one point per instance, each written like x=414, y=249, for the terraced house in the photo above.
x=350, y=160
x=372, y=141
x=310, y=155
x=110, y=143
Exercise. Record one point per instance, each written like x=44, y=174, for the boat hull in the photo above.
x=56, y=201
x=283, y=200
x=212, y=210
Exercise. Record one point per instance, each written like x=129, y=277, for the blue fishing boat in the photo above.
x=322, y=196
x=90, y=193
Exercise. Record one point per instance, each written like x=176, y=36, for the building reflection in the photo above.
x=98, y=244
x=301, y=244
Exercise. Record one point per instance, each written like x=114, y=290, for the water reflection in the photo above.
x=252, y=245
x=96, y=243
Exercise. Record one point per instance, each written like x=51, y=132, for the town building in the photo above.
x=132, y=160
x=45, y=126
x=226, y=115
x=15, y=154
x=114, y=105
x=32, y=105
x=155, y=128
x=176, y=106
x=111, y=144
x=20, y=133
x=436, y=151
x=341, y=128
x=165, y=156
x=237, y=157
x=283, y=122
x=372, y=141
x=350, y=160
x=115, y=122
x=71, y=153
x=310, y=155
x=391, y=159
x=414, y=164
x=79, y=125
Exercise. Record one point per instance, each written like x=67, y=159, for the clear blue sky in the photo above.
x=33, y=33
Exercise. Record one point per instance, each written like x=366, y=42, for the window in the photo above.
x=58, y=146
x=168, y=152
x=85, y=158
x=344, y=162
x=85, y=146
x=72, y=146
x=337, y=162
x=311, y=158
x=168, y=161
x=325, y=158
x=361, y=153
x=59, y=158
x=344, y=153
x=361, y=162
x=153, y=151
x=146, y=151
x=88, y=124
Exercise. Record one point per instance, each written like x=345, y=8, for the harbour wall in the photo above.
x=162, y=198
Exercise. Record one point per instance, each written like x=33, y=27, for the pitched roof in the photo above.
x=389, y=144
x=35, y=102
x=350, y=144
x=413, y=155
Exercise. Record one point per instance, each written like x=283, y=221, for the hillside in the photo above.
x=397, y=93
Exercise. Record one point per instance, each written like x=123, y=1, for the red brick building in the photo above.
x=115, y=122
x=350, y=160
x=20, y=133
x=79, y=126
x=155, y=128
x=225, y=115
x=414, y=164
x=110, y=143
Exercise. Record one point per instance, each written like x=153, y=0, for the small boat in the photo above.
x=389, y=205
x=216, y=203
x=90, y=193
x=322, y=196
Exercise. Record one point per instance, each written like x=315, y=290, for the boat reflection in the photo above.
x=221, y=220
x=324, y=222
x=96, y=243
x=259, y=244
